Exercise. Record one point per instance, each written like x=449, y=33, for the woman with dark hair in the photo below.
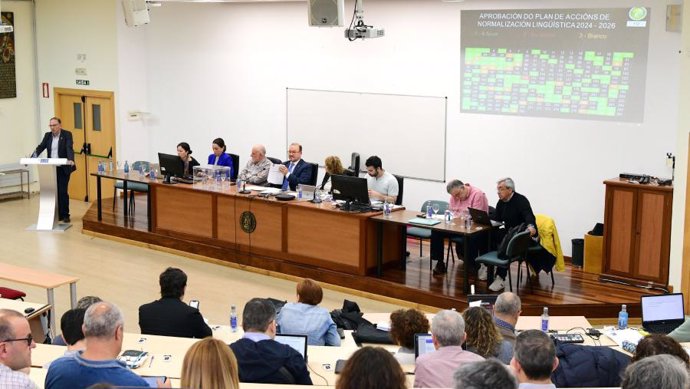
x=305, y=317
x=656, y=344
x=219, y=156
x=371, y=368
x=404, y=324
x=185, y=154
x=483, y=337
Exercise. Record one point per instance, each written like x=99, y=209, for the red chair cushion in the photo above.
x=11, y=294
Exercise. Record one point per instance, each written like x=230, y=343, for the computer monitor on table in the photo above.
x=352, y=190
x=171, y=166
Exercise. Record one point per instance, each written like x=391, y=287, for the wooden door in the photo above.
x=620, y=225
x=90, y=115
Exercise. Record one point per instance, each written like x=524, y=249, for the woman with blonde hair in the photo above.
x=210, y=364
x=483, y=337
x=333, y=167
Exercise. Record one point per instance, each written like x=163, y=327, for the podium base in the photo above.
x=57, y=227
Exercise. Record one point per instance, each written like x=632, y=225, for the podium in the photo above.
x=47, y=212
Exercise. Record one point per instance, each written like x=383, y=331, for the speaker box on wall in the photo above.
x=136, y=12
x=326, y=13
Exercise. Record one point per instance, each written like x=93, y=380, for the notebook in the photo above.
x=661, y=314
x=298, y=342
x=423, y=222
x=423, y=344
x=482, y=217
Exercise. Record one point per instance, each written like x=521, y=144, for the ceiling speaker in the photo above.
x=326, y=13
x=136, y=12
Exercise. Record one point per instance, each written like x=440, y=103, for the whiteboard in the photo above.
x=407, y=132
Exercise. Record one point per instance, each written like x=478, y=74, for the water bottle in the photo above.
x=429, y=211
x=233, y=318
x=152, y=174
x=386, y=208
x=110, y=165
x=239, y=184
x=299, y=191
x=447, y=216
x=468, y=222
x=100, y=167
x=141, y=170
x=545, y=320
x=126, y=167
x=623, y=318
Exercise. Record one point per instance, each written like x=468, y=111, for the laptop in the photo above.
x=482, y=217
x=298, y=342
x=423, y=344
x=486, y=301
x=661, y=314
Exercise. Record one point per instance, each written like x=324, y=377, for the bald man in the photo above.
x=256, y=171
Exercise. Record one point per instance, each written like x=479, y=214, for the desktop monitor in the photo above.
x=171, y=166
x=352, y=190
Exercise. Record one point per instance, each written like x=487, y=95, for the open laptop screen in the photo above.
x=662, y=307
x=298, y=342
x=423, y=344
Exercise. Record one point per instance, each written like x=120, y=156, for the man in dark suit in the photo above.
x=295, y=170
x=59, y=144
x=170, y=316
x=259, y=357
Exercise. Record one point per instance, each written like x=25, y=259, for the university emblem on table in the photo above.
x=248, y=222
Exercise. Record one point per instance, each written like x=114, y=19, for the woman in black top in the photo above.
x=188, y=162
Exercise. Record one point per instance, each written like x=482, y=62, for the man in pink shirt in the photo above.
x=462, y=196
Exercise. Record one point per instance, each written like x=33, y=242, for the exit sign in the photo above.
x=82, y=82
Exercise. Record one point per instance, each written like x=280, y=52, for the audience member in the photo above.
x=383, y=186
x=661, y=371
x=260, y=358
x=103, y=328
x=295, y=169
x=16, y=343
x=462, y=197
x=219, y=157
x=512, y=209
x=507, y=310
x=333, y=167
x=489, y=374
x=83, y=303
x=682, y=332
x=371, y=368
x=656, y=344
x=404, y=324
x=210, y=364
x=257, y=168
x=71, y=326
x=170, y=316
x=435, y=369
x=483, y=337
x=305, y=317
x=534, y=360
x=188, y=162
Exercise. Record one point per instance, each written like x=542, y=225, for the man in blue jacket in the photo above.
x=260, y=358
x=295, y=170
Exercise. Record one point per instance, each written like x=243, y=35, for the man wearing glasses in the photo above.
x=15, y=350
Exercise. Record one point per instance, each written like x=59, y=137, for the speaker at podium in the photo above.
x=47, y=213
x=326, y=13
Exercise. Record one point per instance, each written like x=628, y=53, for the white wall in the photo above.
x=222, y=69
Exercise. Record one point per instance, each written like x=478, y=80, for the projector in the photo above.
x=4, y=29
x=363, y=32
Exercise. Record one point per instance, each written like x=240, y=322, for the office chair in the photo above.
x=235, y=166
x=12, y=294
x=132, y=186
x=422, y=233
x=314, y=173
x=275, y=161
x=401, y=182
x=354, y=163
x=517, y=248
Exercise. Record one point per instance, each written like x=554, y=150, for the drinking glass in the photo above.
x=435, y=208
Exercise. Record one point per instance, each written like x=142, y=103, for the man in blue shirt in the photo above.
x=103, y=329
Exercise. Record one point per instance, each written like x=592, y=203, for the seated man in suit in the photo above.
x=170, y=316
x=295, y=170
x=260, y=358
x=383, y=186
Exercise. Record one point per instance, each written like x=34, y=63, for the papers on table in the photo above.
x=275, y=176
x=626, y=335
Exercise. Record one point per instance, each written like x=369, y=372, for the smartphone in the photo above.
x=194, y=304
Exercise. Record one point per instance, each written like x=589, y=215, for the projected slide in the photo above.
x=564, y=63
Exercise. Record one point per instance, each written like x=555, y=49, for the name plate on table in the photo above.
x=423, y=222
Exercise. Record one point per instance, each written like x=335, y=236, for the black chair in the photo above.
x=517, y=249
x=349, y=172
x=314, y=173
x=354, y=164
x=275, y=161
x=401, y=182
x=132, y=186
x=422, y=233
x=235, y=166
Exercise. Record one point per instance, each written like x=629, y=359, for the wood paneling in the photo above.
x=269, y=223
x=650, y=226
x=183, y=210
x=227, y=219
x=622, y=237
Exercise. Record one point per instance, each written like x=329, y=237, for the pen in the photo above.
x=151, y=361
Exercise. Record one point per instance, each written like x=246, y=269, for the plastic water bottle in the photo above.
x=299, y=191
x=447, y=216
x=126, y=167
x=110, y=165
x=100, y=167
x=386, y=208
x=233, y=318
x=152, y=174
x=545, y=320
x=468, y=222
x=429, y=211
x=623, y=318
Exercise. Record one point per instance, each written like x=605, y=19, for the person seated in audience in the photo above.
x=404, y=324
x=83, y=303
x=462, y=197
x=295, y=169
x=257, y=168
x=682, y=332
x=219, y=157
x=383, y=186
x=661, y=371
x=170, y=316
x=260, y=358
x=512, y=209
x=305, y=317
x=210, y=364
x=103, y=329
x=488, y=374
x=371, y=368
x=16, y=344
x=71, y=327
x=483, y=337
x=655, y=344
x=435, y=369
x=333, y=167
x=507, y=310
x=188, y=162
x=534, y=360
